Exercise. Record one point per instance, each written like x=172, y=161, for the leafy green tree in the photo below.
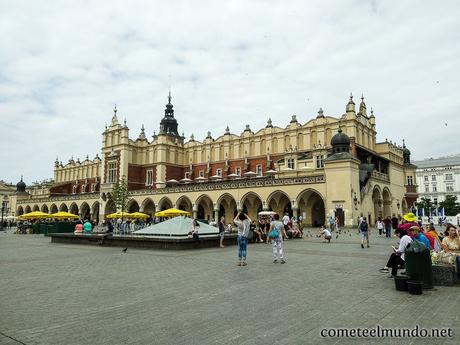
x=425, y=203
x=120, y=195
x=451, y=206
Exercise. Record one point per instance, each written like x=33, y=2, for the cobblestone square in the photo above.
x=75, y=294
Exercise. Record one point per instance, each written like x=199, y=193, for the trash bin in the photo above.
x=418, y=264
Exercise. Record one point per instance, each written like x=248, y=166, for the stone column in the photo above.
x=216, y=215
x=295, y=212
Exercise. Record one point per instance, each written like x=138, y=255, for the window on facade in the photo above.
x=433, y=177
x=74, y=190
x=201, y=173
x=434, y=187
x=290, y=163
x=449, y=188
x=259, y=169
x=149, y=178
x=410, y=180
x=83, y=188
x=93, y=187
x=219, y=172
x=425, y=178
x=238, y=171
x=319, y=162
x=187, y=175
x=112, y=172
x=427, y=188
x=449, y=177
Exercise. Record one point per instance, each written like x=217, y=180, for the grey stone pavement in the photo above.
x=74, y=294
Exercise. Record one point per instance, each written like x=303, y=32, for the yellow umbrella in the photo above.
x=118, y=215
x=34, y=215
x=138, y=215
x=172, y=212
x=63, y=215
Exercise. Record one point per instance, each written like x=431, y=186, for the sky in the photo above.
x=65, y=64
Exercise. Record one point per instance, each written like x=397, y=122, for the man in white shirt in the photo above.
x=286, y=220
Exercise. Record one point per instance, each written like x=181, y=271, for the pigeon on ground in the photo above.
x=350, y=235
x=124, y=250
x=336, y=237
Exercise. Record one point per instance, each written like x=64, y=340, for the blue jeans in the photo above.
x=388, y=231
x=242, y=247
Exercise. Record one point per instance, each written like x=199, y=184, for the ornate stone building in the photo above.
x=326, y=166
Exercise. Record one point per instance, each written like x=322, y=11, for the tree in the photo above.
x=425, y=203
x=450, y=205
x=120, y=195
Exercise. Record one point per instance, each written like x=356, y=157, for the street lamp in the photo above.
x=355, y=201
x=4, y=202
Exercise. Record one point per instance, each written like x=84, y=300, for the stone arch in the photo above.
x=184, y=204
x=311, y=207
x=251, y=203
x=377, y=201
x=204, y=207
x=109, y=208
x=164, y=204
x=19, y=211
x=63, y=208
x=44, y=208
x=279, y=202
x=53, y=209
x=148, y=207
x=386, y=198
x=85, y=211
x=73, y=208
x=27, y=209
x=132, y=206
x=95, y=211
x=227, y=207
x=35, y=208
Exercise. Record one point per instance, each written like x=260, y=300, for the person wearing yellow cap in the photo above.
x=409, y=220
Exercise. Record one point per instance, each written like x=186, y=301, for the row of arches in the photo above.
x=85, y=211
x=382, y=201
x=309, y=204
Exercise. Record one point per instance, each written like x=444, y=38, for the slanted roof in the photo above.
x=438, y=162
x=177, y=226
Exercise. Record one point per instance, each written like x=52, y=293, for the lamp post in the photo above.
x=355, y=201
x=4, y=202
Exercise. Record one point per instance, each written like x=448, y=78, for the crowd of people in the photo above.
x=443, y=247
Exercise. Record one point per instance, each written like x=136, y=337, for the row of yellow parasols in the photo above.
x=43, y=215
x=172, y=212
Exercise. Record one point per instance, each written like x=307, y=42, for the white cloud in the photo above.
x=64, y=65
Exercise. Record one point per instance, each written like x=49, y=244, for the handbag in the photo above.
x=447, y=258
x=275, y=233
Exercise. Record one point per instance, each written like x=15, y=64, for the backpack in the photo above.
x=363, y=226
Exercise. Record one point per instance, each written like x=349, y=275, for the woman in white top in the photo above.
x=379, y=225
x=397, y=257
x=275, y=234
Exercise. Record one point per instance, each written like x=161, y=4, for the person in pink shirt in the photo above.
x=409, y=220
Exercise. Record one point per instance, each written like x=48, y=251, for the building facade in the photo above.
x=438, y=177
x=326, y=166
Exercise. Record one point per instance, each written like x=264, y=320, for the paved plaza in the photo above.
x=76, y=294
